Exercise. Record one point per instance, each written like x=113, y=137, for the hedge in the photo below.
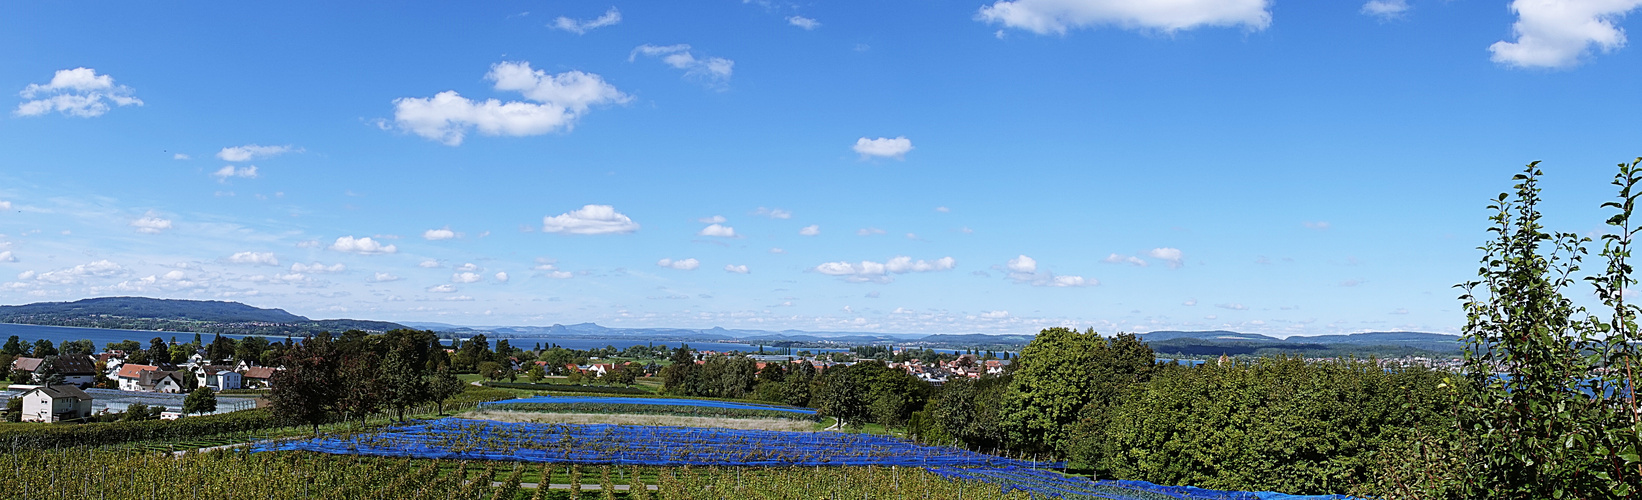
x=44, y=436
x=643, y=409
x=568, y=388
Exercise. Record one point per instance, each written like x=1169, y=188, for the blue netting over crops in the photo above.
x=462, y=439
x=454, y=438
x=1047, y=484
x=702, y=403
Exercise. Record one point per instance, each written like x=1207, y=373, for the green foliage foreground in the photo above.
x=230, y=475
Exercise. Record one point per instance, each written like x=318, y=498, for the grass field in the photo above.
x=766, y=424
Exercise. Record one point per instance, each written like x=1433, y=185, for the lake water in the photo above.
x=102, y=337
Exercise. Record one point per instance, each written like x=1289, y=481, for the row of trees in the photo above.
x=865, y=392
x=358, y=374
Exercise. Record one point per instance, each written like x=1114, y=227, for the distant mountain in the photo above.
x=1221, y=335
x=1166, y=343
x=203, y=316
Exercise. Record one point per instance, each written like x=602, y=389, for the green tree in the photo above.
x=1060, y=373
x=535, y=373
x=251, y=349
x=1552, y=409
x=14, y=409
x=491, y=370
x=49, y=373
x=221, y=348
x=402, y=371
x=444, y=386
x=189, y=381
x=82, y=346
x=158, y=352
x=968, y=411
x=843, y=395
x=125, y=346
x=138, y=412
x=43, y=348
x=180, y=353
x=625, y=374
x=200, y=401
x=15, y=347
x=307, y=390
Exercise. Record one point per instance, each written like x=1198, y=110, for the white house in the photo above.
x=225, y=380
x=148, y=379
x=55, y=403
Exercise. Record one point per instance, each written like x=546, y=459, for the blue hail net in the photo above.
x=463, y=439
x=700, y=403
x=600, y=444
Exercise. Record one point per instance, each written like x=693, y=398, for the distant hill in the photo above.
x=1165, y=343
x=203, y=316
x=1381, y=344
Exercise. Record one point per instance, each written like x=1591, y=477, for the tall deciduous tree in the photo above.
x=1060, y=373
x=402, y=371
x=306, y=390
x=444, y=386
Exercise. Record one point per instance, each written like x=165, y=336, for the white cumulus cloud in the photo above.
x=738, y=269
x=151, y=224
x=682, y=265
x=590, y=219
x=1126, y=259
x=77, y=274
x=428, y=264
x=810, y=230
x=1385, y=8
x=883, y=147
x=1556, y=33
x=77, y=92
x=445, y=288
x=250, y=152
x=383, y=278
x=362, y=246
x=555, y=102
x=879, y=272
x=258, y=258
x=1024, y=270
x=6, y=256
x=580, y=27
x=317, y=268
x=5, y=205
x=1057, y=16
x=230, y=171
x=1170, y=256
x=1023, y=264
x=714, y=71
x=502, y=277
x=716, y=219
x=438, y=234
x=466, y=278
x=804, y=22
x=718, y=230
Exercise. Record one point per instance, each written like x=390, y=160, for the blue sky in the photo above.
x=936, y=166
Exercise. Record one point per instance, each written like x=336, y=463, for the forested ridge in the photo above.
x=201, y=316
